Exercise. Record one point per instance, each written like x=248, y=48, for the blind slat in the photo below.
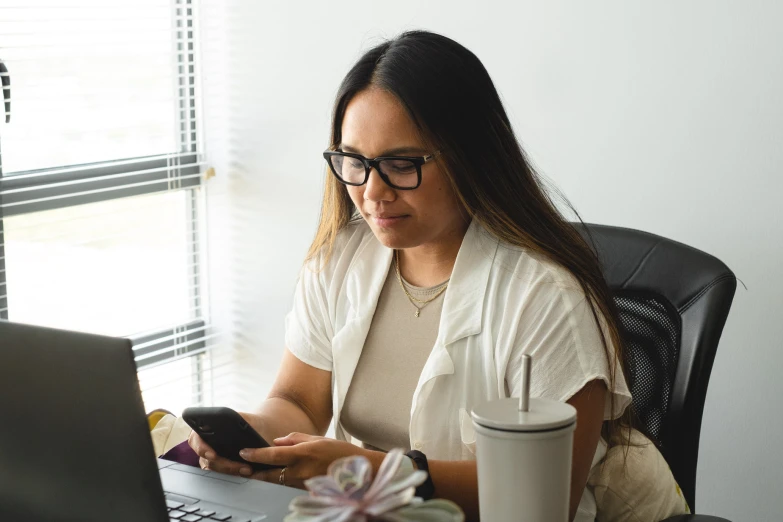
x=94, y=19
x=184, y=333
x=103, y=165
x=174, y=348
x=97, y=191
x=143, y=126
x=30, y=4
x=53, y=98
x=97, y=30
x=9, y=50
x=107, y=177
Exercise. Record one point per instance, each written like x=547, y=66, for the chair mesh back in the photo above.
x=650, y=329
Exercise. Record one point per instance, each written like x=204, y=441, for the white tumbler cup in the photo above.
x=524, y=458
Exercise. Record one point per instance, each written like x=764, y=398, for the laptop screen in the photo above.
x=74, y=442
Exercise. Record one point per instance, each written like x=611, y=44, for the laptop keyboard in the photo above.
x=183, y=509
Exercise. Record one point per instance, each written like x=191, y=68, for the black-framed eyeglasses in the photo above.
x=399, y=172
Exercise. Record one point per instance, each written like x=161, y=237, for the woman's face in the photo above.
x=376, y=124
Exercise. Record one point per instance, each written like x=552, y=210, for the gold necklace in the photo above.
x=412, y=299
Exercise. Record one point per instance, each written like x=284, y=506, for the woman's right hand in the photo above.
x=209, y=459
x=300, y=401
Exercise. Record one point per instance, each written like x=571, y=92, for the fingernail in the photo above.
x=244, y=453
x=209, y=455
x=245, y=471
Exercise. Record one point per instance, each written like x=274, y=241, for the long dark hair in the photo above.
x=451, y=98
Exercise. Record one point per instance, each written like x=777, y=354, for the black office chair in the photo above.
x=673, y=301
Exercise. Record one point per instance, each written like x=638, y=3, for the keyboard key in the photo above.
x=222, y=517
x=174, y=514
x=190, y=509
x=181, y=498
x=205, y=513
x=190, y=518
x=173, y=504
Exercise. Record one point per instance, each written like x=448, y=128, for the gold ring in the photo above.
x=282, y=477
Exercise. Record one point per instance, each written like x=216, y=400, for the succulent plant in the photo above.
x=348, y=494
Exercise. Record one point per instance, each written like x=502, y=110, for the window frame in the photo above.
x=71, y=185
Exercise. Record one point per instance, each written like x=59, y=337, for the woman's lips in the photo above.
x=387, y=221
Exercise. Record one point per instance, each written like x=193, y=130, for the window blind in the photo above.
x=101, y=197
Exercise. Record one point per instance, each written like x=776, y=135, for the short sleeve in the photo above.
x=307, y=326
x=558, y=330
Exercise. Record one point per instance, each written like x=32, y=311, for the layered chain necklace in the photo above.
x=413, y=300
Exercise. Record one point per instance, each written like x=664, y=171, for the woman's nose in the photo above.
x=376, y=189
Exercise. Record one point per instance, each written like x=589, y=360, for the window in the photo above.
x=100, y=181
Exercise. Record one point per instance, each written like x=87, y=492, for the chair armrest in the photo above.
x=695, y=518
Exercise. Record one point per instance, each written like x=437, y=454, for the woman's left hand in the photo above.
x=303, y=457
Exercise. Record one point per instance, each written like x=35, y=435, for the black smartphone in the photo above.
x=227, y=432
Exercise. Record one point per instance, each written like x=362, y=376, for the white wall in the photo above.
x=666, y=117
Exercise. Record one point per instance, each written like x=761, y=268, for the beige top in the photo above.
x=377, y=408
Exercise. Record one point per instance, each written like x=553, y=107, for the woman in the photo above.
x=438, y=262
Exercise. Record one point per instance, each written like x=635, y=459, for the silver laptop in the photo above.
x=75, y=443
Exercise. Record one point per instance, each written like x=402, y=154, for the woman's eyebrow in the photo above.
x=398, y=151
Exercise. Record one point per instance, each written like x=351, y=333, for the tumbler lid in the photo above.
x=542, y=415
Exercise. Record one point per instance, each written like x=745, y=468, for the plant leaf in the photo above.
x=411, y=481
x=438, y=510
x=353, y=475
x=323, y=486
x=390, y=502
x=386, y=473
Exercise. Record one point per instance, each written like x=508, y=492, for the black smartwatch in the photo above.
x=427, y=490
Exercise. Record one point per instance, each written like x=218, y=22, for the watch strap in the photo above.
x=426, y=490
